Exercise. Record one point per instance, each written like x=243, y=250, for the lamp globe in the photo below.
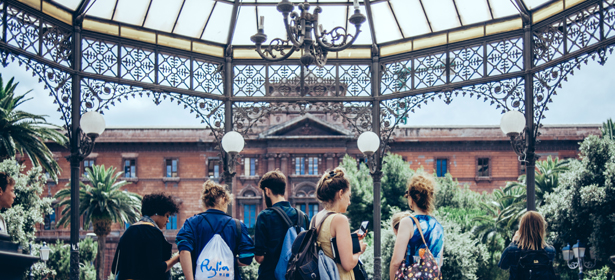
x=232, y=142
x=512, y=123
x=368, y=143
x=92, y=124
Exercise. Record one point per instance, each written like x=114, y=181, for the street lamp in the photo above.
x=578, y=251
x=522, y=138
x=45, y=252
x=369, y=144
x=232, y=144
x=82, y=137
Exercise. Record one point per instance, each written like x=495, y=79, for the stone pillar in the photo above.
x=329, y=160
x=270, y=162
x=284, y=168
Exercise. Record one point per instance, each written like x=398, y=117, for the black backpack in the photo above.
x=535, y=265
x=303, y=264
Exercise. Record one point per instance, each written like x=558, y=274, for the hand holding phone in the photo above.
x=363, y=229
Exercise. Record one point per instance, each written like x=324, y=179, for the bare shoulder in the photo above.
x=338, y=218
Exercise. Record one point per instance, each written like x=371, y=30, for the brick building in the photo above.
x=178, y=160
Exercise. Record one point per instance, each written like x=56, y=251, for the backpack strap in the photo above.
x=299, y=220
x=283, y=215
x=238, y=233
x=418, y=225
x=321, y=221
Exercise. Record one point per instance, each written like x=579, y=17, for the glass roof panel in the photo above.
x=163, y=14
x=334, y=16
x=412, y=21
x=102, y=9
x=532, y=4
x=441, y=14
x=503, y=8
x=365, y=37
x=473, y=11
x=274, y=24
x=131, y=11
x=71, y=4
x=246, y=25
x=384, y=23
x=219, y=22
x=193, y=17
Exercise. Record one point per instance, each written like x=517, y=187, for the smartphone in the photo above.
x=363, y=228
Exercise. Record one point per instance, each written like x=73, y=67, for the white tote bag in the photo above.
x=216, y=261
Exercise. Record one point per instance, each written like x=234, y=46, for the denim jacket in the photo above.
x=510, y=257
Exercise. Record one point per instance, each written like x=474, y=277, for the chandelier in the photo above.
x=302, y=35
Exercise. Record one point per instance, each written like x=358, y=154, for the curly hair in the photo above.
x=275, y=181
x=5, y=181
x=421, y=188
x=330, y=184
x=215, y=195
x=158, y=204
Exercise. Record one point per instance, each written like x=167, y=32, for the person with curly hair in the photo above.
x=143, y=252
x=7, y=196
x=409, y=245
x=199, y=229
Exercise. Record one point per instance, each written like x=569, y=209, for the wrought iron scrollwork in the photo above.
x=101, y=95
x=356, y=115
x=58, y=83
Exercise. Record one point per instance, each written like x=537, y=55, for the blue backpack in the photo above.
x=289, y=238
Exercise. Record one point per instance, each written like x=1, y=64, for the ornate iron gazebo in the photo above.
x=513, y=54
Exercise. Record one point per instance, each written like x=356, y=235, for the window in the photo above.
x=300, y=166
x=171, y=168
x=313, y=210
x=172, y=224
x=213, y=168
x=87, y=163
x=130, y=168
x=50, y=221
x=483, y=167
x=441, y=167
x=250, y=167
x=249, y=215
x=301, y=207
x=313, y=166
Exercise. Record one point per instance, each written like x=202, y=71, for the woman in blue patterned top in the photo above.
x=421, y=195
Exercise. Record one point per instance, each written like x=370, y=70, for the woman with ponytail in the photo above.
x=410, y=245
x=333, y=191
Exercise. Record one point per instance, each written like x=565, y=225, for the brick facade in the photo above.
x=278, y=143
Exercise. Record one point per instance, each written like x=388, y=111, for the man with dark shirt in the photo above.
x=270, y=226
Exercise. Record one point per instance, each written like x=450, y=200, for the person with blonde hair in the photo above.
x=333, y=191
x=527, y=248
x=410, y=244
x=396, y=219
x=198, y=230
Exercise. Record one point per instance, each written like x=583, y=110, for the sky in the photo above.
x=587, y=98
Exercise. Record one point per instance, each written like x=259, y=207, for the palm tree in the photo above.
x=502, y=218
x=546, y=177
x=101, y=204
x=25, y=133
x=608, y=129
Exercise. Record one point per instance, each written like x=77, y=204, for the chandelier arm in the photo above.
x=290, y=34
x=264, y=55
x=331, y=47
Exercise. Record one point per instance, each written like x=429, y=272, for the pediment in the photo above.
x=306, y=126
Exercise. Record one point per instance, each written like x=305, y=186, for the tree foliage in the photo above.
x=29, y=208
x=583, y=205
x=101, y=203
x=59, y=261
x=24, y=133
